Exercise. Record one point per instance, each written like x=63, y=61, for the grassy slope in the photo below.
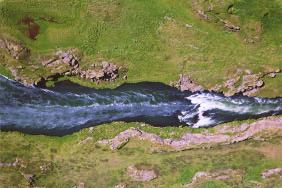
x=141, y=36
x=71, y=162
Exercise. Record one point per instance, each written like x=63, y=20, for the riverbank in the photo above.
x=178, y=39
x=78, y=159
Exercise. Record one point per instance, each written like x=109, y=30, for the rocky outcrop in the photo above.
x=68, y=57
x=244, y=82
x=186, y=84
x=249, y=84
x=103, y=71
x=230, y=26
x=220, y=174
x=271, y=172
x=63, y=62
x=222, y=135
x=67, y=63
x=25, y=80
x=141, y=174
x=16, y=50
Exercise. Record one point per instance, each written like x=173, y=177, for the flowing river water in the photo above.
x=68, y=107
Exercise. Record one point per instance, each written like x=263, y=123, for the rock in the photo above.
x=63, y=57
x=249, y=84
x=186, y=84
x=66, y=63
x=272, y=75
x=231, y=27
x=188, y=26
x=15, y=49
x=91, y=129
x=94, y=74
x=271, y=172
x=120, y=185
x=141, y=174
x=19, y=67
x=45, y=167
x=248, y=71
x=259, y=83
x=13, y=164
x=80, y=185
x=222, y=135
x=231, y=82
x=216, y=88
x=29, y=178
x=40, y=82
x=110, y=70
x=221, y=174
x=202, y=14
x=86, y=140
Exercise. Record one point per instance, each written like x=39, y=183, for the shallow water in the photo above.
x=69, y=107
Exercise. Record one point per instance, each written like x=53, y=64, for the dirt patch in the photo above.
x=32, y=29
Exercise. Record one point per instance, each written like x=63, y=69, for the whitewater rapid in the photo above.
x=69, y=107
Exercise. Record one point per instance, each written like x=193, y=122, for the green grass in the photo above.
x=138, y=35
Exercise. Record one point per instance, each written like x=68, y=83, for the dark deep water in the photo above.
x=69, y=107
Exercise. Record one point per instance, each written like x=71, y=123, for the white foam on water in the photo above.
x=209, y=101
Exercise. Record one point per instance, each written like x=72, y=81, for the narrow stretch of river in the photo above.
x=68, y=107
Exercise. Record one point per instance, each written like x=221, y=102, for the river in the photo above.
x=68, y=107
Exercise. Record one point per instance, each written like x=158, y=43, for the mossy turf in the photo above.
x=156, y=40
x=69, y=160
